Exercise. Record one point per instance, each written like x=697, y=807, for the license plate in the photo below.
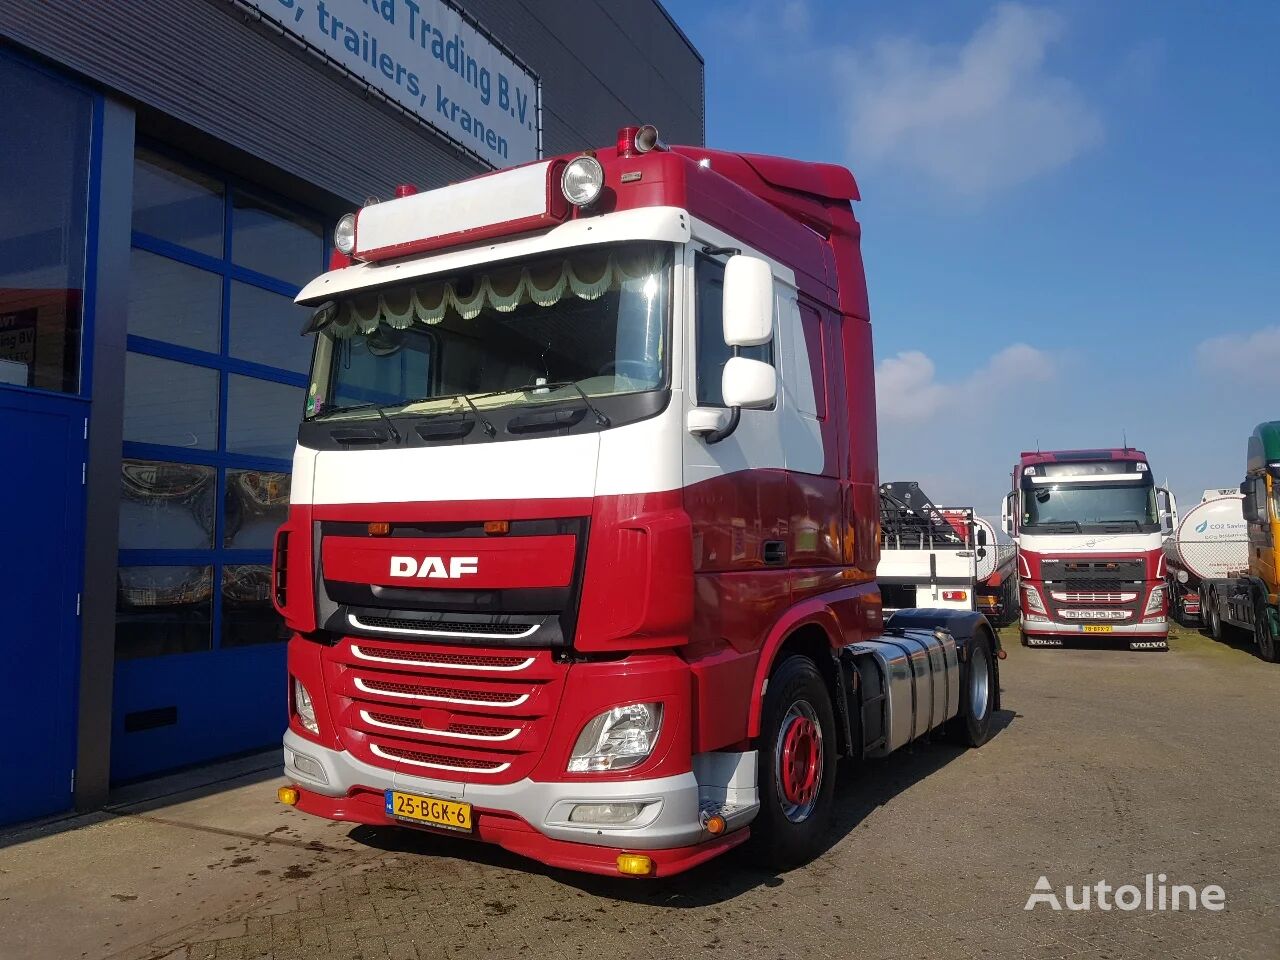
x=437, y=813
x=1097, y=628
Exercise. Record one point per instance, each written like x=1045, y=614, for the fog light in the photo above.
x=634, y=864
x=288, y=795
x=309, y=767
x=582, y=180
x=605, y=813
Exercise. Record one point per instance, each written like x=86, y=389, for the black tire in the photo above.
x=1265, y=635
x=1023, y=635
x=786, y=832
x=1215, y=619
x=972, y=725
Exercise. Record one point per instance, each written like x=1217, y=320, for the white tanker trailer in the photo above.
x=1211, y=543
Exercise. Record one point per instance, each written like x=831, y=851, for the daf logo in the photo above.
x=434, y=568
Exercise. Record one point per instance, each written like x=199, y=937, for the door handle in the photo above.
x=775, y=551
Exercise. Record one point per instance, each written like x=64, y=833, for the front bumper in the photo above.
x=1064, y=629
x=531, y=818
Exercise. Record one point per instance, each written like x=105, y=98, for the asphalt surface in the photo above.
x=1107, y=765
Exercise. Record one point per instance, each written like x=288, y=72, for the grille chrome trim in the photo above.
x=355, y=621
x=514, y=702
x=428, y=731
x=1092, y=596
x=435, y=665
x=378, y=751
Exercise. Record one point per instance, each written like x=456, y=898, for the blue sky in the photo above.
x=1071, y=216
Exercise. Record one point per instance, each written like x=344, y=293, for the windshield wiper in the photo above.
x=1057, y=523
x=601, y=419
x=378, y=408
x=489, y=429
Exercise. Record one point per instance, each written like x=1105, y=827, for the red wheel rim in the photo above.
x=798, y=761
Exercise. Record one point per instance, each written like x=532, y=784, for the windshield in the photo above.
x=591, y=320
x=1129, y=503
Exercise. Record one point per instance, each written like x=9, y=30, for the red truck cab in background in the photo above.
x=581, y=552
x=1089, y=526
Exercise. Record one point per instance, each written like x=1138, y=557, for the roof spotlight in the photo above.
x=582, y=180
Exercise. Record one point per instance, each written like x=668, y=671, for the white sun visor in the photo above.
x=524, y=198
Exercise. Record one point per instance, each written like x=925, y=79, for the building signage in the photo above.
x=427, y=57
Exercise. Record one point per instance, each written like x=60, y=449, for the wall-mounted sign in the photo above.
x=429, y=58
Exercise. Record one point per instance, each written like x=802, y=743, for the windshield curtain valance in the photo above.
x=586, y=275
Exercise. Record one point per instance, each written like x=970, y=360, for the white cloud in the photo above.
x=975, y=118
x=1253, y=357
x=908, y=389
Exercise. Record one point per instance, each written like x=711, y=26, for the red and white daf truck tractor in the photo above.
x=1089, y=525
x=581, y=552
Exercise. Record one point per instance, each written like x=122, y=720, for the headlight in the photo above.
x=1034, y=602
x=344, y=234
x=617, y=739
x=304, y=708
x=582, y=180
x=1155, y=601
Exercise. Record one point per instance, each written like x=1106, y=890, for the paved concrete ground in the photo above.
x=1108, y=765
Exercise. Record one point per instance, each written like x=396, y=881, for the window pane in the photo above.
x=174, y=203
x=161, y=610
x=170, y=403
x=265, y=328
x=44, y=143
x=173, y=302
x=273, y=241
x=247, y=614
x=713, y=352
x=166, y=506
x=262, y=417
x=257, y=503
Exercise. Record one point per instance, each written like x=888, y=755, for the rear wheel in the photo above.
x=1215, y=618
x=972, y=726
x=1264, y=631
x=797, y=766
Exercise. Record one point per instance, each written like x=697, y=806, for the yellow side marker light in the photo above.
x=288, y=796
x=634, y=865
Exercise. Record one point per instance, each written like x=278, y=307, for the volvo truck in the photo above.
x=582, y=546
x=1089, y=525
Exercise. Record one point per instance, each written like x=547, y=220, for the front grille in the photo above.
x=1087, y=585
x=442, y=659
x=440, y=761
x=466, y=628
x=448, y=694
x=458, y=729
x=1093, y=596
x=434, y=710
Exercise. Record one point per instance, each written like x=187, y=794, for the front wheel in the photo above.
x=972, y=726
x=797, y=770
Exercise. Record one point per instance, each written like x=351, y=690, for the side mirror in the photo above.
x=748, y=303
x=325, y=314
x=1006, y=514
x=1248, y=506
x=748, y=383
x=982, y=536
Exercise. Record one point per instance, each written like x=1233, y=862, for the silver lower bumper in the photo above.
x=671, y=813
x=1067, y=628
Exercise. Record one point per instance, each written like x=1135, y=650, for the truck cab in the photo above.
x=1089, y=526
x=581, y=552
x=1249, y=601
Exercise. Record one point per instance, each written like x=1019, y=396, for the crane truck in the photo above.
x=581, y=553
x=1089, y=525
x=1247, y=601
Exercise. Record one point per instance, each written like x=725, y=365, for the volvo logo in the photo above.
x=435, y=568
